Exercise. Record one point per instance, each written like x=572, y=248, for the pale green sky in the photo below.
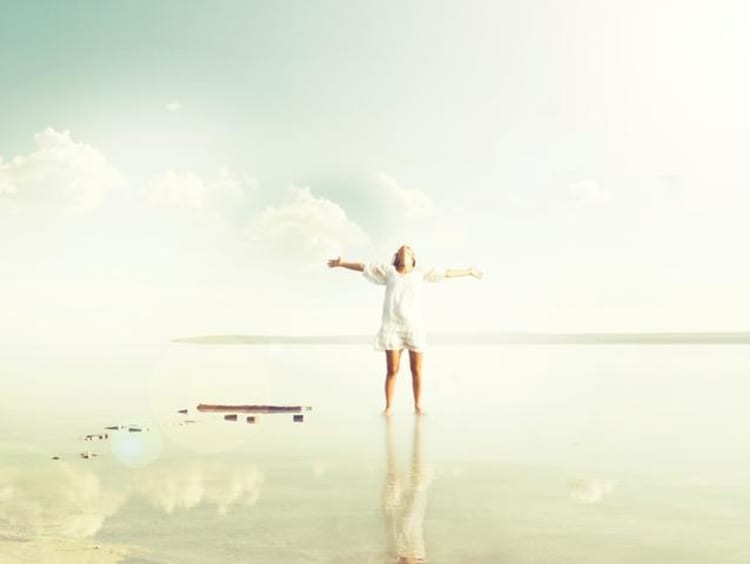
x=589, y=156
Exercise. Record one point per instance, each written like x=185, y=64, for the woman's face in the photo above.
x=405, y=256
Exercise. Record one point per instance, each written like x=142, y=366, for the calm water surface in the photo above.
x=529, y=454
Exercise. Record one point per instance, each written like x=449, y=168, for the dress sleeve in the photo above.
x=434, y=274
x=375, y=273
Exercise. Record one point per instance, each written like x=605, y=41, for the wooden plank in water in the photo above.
x=253, y=408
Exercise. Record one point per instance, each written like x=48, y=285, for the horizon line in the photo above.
x=490, y=338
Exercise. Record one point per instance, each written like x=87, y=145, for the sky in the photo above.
x=170, y=169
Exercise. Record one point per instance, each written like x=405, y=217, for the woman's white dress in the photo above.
x=402, y=325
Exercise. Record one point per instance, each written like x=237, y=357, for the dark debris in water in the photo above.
x=254, y=408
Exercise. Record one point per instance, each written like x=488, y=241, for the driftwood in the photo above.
x=254, y=408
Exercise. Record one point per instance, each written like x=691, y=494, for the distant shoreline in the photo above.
x=717, y=338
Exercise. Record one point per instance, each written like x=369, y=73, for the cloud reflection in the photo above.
x=590, y=491
x=181, y=489
x=55, y=500
x=53, y=512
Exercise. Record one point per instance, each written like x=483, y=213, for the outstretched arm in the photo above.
x=358, y=266
x=455, y=273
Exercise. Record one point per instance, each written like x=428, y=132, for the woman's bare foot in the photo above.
x=387, y=411
x=419, y=411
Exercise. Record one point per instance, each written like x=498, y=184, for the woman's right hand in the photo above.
x=334, y=262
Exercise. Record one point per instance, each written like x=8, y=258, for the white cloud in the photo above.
x=305, y=227
x=224, y=195
x=61, y=174
x=410, y=203
x=587, y=191
x=174, y=106
x=177, y=189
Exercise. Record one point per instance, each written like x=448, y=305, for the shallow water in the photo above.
x=529, y=454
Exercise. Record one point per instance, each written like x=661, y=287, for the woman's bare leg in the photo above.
x=392, y=362
x=415, y=363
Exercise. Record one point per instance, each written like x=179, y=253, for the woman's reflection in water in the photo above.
x=404, y=504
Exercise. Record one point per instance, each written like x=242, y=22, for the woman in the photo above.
x=402, y=325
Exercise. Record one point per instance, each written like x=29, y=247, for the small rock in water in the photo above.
x=232, y=417
x=135, y=430
x=299, y=418
x=251, y=419
x=183, y=411
x=55, y=458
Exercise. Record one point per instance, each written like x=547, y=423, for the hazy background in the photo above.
x=173, y=168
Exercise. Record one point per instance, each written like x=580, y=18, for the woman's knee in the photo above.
x=415, y=364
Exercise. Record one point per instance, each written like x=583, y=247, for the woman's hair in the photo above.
x=395, y=262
